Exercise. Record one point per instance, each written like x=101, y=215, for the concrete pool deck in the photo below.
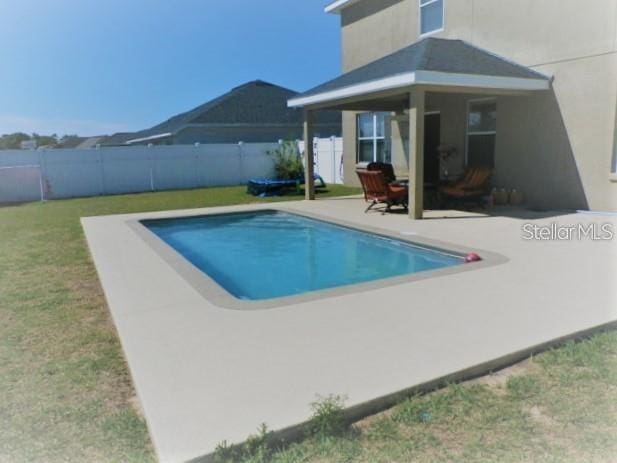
x=205, y=374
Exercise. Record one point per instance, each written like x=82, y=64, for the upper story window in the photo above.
x=431, y=16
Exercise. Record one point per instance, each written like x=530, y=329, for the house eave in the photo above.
x=338, y=5
x=152, y=137
x=433, y=79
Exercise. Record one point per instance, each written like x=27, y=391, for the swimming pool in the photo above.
x=271, y=254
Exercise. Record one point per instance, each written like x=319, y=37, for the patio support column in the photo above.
x=416, y=153
x=309, y=156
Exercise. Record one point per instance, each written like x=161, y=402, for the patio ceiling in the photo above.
x=436, y=64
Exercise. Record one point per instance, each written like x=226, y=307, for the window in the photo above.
x=371, y=138
x=431, y=16
x=481, y=132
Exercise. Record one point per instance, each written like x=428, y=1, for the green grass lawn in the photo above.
x=66, y=394
x=65, y=390
x=560, y=406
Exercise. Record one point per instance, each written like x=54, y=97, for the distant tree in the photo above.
x=13, y=140
x=45, y=140
x=70, y=140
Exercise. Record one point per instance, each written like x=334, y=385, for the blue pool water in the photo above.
x=269, y=254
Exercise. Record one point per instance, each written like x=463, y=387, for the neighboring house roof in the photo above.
x=119, y=138
x=431, y=61
x=71, y=142
x=90, y=142
x=80, y=142
x=252, y=104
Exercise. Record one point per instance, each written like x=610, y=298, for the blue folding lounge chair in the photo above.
x=273, y=187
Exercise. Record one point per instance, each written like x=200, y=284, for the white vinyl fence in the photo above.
x=63, y=173
x=28, y=175
x=328, y=158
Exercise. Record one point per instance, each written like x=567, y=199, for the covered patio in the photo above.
x=402, y=83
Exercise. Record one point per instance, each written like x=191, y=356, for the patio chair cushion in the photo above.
x=475, y=182
x=385, y=168
x=398, y=191
x=458, y=192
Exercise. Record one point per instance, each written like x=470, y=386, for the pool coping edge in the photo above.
x=214, y=293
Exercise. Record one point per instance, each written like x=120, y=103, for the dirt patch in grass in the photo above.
x=136, y=405
x=539, y=415
x=497, y=380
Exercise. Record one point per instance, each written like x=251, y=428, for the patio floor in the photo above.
x=205, y=374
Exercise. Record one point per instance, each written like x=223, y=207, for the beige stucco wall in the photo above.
x=539, y=32
x=557, y=147
x=382, y=20
x=530, y=32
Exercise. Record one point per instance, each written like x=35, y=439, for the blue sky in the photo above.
x=102, y=66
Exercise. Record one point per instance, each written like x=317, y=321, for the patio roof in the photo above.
x=431, y=62
x=337, y=5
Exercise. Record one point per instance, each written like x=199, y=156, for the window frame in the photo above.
x=469, y=103
x=374, y=137
x=613, y=172
x=443, y=17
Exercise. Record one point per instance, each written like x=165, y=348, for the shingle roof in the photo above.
x=430, y=54
x=255, y=102
x=119, y=138
x=90, y=142
x=71, y=142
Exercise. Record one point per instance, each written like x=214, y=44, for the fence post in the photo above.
x=42, y=175
x=102, y=170
x=333, y=152
x=151, y=159
x=241, y=161
x=198, y=176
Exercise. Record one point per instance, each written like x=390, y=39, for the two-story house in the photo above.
x=527, y=87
